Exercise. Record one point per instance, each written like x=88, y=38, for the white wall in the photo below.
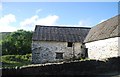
x=103, y=48
x=46, y=51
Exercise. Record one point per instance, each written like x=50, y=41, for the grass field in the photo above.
x=9, y=61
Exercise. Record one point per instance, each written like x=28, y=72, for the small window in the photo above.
x=70, y=44
x=59, y=55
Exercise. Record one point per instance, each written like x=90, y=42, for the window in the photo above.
x=59, y=55
x=81, y=46
x=70, y=44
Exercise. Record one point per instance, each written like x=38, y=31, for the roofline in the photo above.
x=58, y=41
x=100, y=24
x=63, y=27
x=106, y=20
x=100, y=39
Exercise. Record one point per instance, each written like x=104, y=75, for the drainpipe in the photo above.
x=73, y=50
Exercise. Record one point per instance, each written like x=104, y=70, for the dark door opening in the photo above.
x=86, y=52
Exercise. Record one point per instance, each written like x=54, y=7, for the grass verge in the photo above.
x=11, y=61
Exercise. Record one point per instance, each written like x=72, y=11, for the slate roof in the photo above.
x=104, y=30
x=63, y=34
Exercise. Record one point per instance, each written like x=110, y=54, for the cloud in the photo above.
x=84, y=23
x=39, y=10
x=1, y=6
x=49, y=20
x=8, y=19
x=7, y=28
x=5, y=22
x=29, y=23
x=81, y=23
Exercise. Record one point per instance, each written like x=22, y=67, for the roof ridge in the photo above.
x=63, y=26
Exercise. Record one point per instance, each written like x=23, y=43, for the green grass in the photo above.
x=11, y=61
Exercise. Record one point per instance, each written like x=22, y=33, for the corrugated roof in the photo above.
x=56, y=33
x=104, y=30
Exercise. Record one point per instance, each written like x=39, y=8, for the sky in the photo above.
x=25, y=15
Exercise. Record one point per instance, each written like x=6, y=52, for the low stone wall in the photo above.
x=89, y=67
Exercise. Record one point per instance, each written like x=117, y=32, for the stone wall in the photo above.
x=89, y=67
x=103, y=48
x=45, y=51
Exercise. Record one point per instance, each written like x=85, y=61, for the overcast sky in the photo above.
x=25, y=15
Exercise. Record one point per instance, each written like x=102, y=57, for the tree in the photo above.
x=18, y=42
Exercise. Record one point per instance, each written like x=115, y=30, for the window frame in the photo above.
x=59, y=55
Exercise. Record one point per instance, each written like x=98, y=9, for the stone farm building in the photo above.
x=102, y=40
x=53, y=43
